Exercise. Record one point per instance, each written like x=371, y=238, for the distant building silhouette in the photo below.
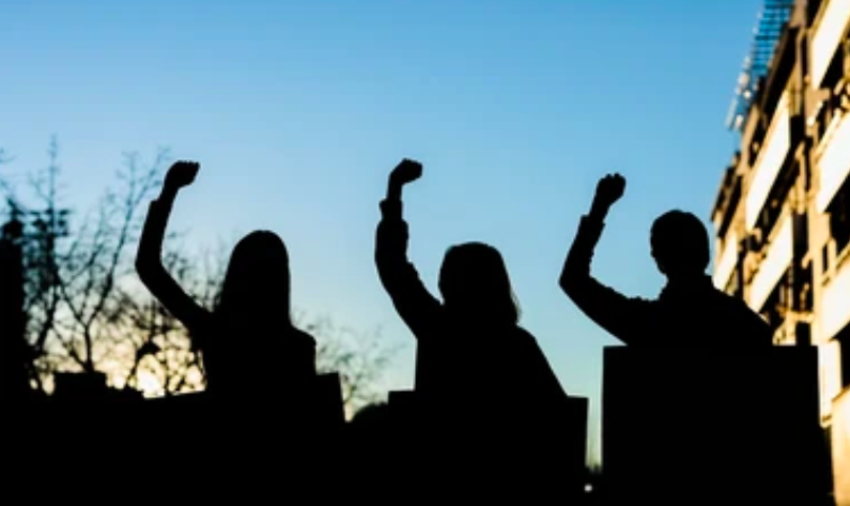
x=14, y=367
x=782, y=215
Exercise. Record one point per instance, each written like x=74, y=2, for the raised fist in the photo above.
x=609, y=190
x=181, y=174
x=405, y=172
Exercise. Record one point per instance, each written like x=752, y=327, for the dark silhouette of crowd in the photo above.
x=487, y=417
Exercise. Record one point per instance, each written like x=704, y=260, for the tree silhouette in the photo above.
x=89, y=313
x=75, y=281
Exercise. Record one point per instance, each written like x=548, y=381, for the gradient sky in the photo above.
x=297, y=111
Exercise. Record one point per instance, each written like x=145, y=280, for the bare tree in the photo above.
x=73, y=280
x=160, y=348
x=361, y=359
x=88, y=312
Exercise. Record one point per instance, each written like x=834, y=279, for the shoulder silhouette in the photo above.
x=690, y=311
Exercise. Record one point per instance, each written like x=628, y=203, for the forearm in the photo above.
x=394, y=191
x=598, y=212
x=391, y=253
x=148, y=260
x=576, y=269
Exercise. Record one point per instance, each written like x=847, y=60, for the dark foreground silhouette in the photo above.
x=713, y=425
x=483, y=383
x=471, y=342
x=689, y=312
x=248, y=342
x=736, y=422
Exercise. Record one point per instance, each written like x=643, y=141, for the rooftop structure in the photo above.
x=771, y=21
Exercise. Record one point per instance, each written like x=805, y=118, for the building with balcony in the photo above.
x=782, y=214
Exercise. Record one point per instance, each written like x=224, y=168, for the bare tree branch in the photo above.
x=89, y=313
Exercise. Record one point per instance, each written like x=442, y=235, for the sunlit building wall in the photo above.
x=828, y=128
x=782, y=215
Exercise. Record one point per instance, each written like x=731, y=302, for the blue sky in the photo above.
x=297, y=110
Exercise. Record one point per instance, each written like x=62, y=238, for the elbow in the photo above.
x=147, y=269
x=568, y=282
x=142, y=264
x=574, y=275
x=141, y=268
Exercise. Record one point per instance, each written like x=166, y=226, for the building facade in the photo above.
x=782, y=215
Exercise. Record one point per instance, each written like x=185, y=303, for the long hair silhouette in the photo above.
x=474, y=282
x=248, y=341
x=471, y=340
x=257, y=284
x=253, y=310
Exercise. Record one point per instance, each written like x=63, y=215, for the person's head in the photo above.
x=680, y=245
x=474, y=282
x=257, y=285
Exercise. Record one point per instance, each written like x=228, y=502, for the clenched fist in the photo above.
x=181, y=174
x=609, y=190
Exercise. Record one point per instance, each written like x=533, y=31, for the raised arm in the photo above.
x=148, y=260
x=414, y=304
x=621, y=316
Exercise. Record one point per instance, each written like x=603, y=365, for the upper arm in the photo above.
x=622, y=316
x=180, y=304
x=157, y=279
x=412, y=300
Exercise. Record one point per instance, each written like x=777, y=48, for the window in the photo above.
x=734, y=198
x=843, y=339
x=803, y=334
x=835, y=71
x=812, y=7
x=776, y=200
x=839, y=219
x=822, y=120
x=777, y=304
x=831, y=105
x=803, y=288
x=824, y=258
x=733, y=287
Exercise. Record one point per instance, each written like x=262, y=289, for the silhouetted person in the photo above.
x=248, y=342
x=689, y=312
x=479, y=373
